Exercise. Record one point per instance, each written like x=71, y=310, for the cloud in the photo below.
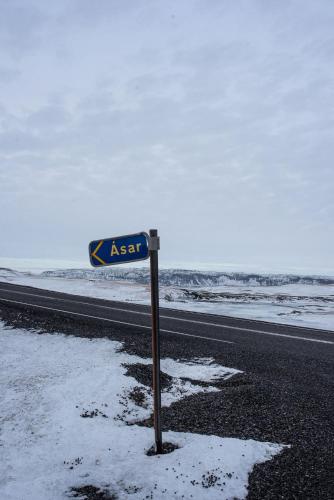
x=20, y=27
x=212, y=118
x=8, y=75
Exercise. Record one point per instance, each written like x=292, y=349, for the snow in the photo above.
x=203, y=369
x=41, y=264
x=50, y=383
x=300, y=304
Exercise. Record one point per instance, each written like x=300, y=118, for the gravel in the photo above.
x=144, y=374
x=90, y=492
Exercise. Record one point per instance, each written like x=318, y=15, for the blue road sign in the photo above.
x=119, y=250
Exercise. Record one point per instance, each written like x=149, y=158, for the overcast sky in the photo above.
x=210, y=120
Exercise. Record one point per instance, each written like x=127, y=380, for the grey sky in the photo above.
x=210, y=120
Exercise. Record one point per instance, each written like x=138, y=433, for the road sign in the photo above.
x=130, y=248
x=119, y=250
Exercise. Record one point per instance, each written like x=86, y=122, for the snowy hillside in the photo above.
x=188, y=278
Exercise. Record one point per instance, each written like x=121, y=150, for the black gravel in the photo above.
x=166, y=448
x=91, y=492
x=144, y=374
x=138, y=396
x=286, y=398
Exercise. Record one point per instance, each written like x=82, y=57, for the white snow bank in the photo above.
x=50, y=383
x=204, y=370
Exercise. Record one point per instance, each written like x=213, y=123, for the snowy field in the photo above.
x=68, y=419
x=290, y=299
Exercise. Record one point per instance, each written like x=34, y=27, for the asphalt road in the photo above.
x=285, y=395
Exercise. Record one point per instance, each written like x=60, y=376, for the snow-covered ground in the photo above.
x=65, y=411
x=291, y=299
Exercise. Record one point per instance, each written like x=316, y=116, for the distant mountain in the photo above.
x=186, y=278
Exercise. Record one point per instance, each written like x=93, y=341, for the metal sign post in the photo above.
x=154, y=245
x=130, y=248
